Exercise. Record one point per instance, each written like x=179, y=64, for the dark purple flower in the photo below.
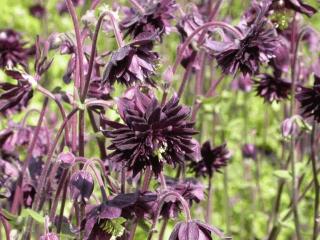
x=212, y=160
x=281, y=61
x=296, y=5
x=186, y=27
x=15, y=97
x=81, y=186
x=98, y=90
x=132, y=63
x=249, y=151
x=190, y=189
x=138, y=205
x=242, y=83
x=151, y=134
x=37, y=11
x=257, y=46
x=12, y=50
x=195, y=230
x=96, y=220
x=62, y=6
x=155, y=18
x=309, y=99
x=272, y=87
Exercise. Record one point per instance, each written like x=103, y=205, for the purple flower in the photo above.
x=15, y=97
x=213, y=159
x=186, y=27
x=12, y=50
x=289, y=127
x=190, y=189
x=151, y=134
x=257, y=46
x=138, y=205
x=243, y=83
x=281, y=61
x=62, y=6
x=272, y=87
x=132, y=63
x=81, y=186
x=96, y=220
x=296, y=5
x=155, y=18
x=37, y=10
x=309, y=99
x=195, y=230
x=249, y=151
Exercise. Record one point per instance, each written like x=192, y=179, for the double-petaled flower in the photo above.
x=257, y=46
x=12, y=49
x=212, y=160
x=151, y=134
x=154, y=17
x=135, y=62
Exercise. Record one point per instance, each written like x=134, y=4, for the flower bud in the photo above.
x=288, y=127
x=81, y=186
x=66, y=159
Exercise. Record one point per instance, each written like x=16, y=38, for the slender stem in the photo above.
x=186, y=77
x=315, y=181
x=44, y=173
x=63, y=203
x=123, y=178
x=163, y=228
x=294, y=47
x=161, y=203
x=92, y=56
x=81, y=133
x=163, y=181
x=116, y=30
x=6, y=225
x=17, y=194
x=209, y=202
x=188, y=41
x=197, y=103
x=137, y=6
x=79, y=47
x=56, y=198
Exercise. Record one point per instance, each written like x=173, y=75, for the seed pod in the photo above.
x=81, y=186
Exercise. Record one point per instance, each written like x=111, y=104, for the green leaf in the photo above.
x=9, y=216
x=114, y=227
x=284, y=174
x=35, y=215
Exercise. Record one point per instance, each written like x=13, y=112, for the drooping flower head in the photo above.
x=15, y=97
x=195, y=230
x=151, y=134
x=309, y=99
x=213, y=159
x=272, y=87
x=249, y=151
x=190, y=189
x=242, y=83
x=135, y=62
x=62, y=6
x=37, y=10
x=155, y=17
x=257, y=46
x=12, y=49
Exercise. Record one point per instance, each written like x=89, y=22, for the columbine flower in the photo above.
x=272, y=87
x=195, y=230
x=212, y=160
x=62, y=6
x=309, y=99
x=37, y=11
x=190, y=189
x=15, y=97
x=12, y=51
x=81, y=186
x=132, y=63
x=243, y=83
x=151, y=134
x=257, y=46
x=186, y=27
x=249, y=151
x=96, y=222
x=296, y=5
x=155, y=18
